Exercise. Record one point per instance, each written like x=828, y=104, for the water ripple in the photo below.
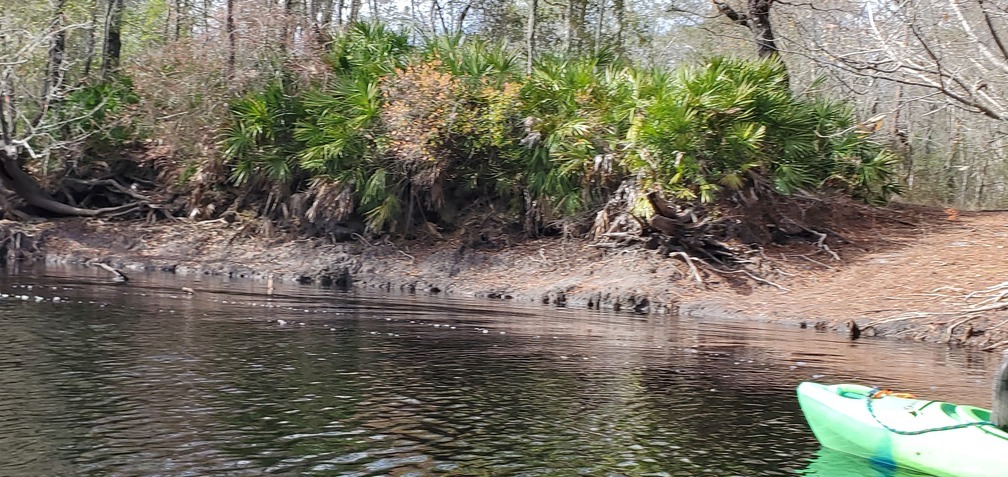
x=134, y=380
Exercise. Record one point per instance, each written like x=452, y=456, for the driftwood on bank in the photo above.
x=960, y=310
x=118, y=275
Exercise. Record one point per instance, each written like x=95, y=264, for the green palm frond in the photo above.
x=383, y=215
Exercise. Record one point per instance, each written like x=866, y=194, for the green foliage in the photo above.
x=145, y=25
x=260, y=141
x=729, y=123
x=100, y=113
x=574, y=107
x=474, y=59
x=368, y=49
x=404, y=130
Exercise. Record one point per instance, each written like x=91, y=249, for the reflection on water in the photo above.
x=140, y=379
x=830, y=463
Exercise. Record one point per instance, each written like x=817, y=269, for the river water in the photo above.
x=140, y=378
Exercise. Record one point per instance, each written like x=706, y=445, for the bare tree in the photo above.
x=54, y=73
x=936, y=70
x=355, y=6
x=757, y=19
x=229, y=30
x=113, y=38
x=30, y=128
x=530, y=34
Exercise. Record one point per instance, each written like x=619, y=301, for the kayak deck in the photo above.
x=940, y=438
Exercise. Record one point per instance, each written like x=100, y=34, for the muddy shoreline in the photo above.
x=877, y=281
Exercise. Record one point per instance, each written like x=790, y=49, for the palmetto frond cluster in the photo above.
x=398, y=132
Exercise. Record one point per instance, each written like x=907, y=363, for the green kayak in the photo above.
x=939, y=438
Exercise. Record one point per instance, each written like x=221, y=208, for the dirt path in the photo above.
x=912, y=260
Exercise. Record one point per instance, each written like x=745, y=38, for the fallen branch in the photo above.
x=410, y=257
x=361, y=238
x=119, y=276
x=111, y=184
x=624, y=236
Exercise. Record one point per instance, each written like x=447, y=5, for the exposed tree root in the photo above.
x=111, y=197
x=18, y=242
x=966, y=308
x=689, y=262
x=727, y=238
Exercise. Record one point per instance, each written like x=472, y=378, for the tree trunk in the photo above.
x=229, y=28
x=54, y=65
x=27, y=188
x=460, y=19
x=766, y=43
x=339, y=12
x=579, y=26
x=207, y=7
x=90, y=51
x=530, y=34
x=8, y=117
x=619, y=8
x=178, y=19
x=568, y=40
x=286, y=33
x=598, y=25
x=757, y=20
x=354, y=10
x=314, y=7
x=113, y=38
x=327, y=13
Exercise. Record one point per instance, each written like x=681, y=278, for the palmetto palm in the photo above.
x=730, y=122
x=396, y=131
x=260, y=141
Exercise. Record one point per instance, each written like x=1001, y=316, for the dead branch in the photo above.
x=119, y=276
x=821, y=243
x=995, y=345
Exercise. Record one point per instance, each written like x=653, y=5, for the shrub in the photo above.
x=730, y=123
x=100, y=113
x=396, y=132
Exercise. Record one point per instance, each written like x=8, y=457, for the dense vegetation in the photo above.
x=402, y=135
x=591, y=117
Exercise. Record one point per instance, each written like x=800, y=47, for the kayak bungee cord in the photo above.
x=878, y=393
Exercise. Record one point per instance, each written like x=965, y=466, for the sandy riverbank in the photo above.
x=908, y=276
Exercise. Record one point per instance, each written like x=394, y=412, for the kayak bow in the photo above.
x=939, y=438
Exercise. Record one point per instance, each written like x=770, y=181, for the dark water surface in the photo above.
x=141, y=379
